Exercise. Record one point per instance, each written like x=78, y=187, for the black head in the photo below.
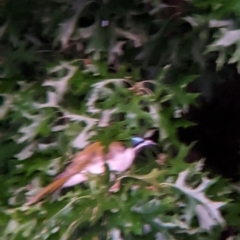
x=138, y=143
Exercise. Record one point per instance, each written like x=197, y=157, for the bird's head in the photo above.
x=138, y=143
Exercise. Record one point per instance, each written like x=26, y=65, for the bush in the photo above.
x=70, y=75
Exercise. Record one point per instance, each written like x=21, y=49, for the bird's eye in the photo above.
x=136, y=141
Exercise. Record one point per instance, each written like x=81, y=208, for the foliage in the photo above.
x=65, y=69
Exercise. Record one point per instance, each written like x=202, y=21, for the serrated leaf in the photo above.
x=207, y=211
x=228, y=38
x=67, y=28
x=146, y=208
x=26, y=152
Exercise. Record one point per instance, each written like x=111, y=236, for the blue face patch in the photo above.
x=136, y=140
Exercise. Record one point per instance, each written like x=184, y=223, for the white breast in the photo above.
x=122, y=161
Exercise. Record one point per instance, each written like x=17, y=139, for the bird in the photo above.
x=92, y=160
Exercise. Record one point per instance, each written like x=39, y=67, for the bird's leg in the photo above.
x=115, y=187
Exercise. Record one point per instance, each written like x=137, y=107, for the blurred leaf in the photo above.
x=63, y=71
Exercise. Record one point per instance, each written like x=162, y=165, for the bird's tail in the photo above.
x=48, y=189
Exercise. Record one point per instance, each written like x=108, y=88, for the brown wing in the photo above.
x=82, y=159
x=90, y=155
x=79, y=162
